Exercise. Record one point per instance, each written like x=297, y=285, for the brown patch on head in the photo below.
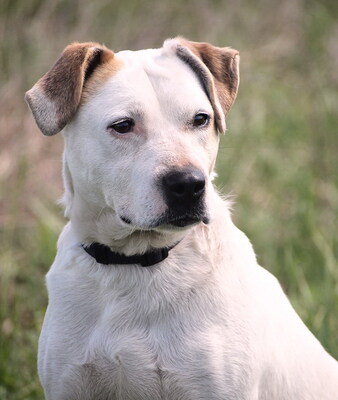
x=55, y=98
x=218, y=70
x=102, y=73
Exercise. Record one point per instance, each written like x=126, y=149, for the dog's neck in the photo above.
x=96, y=224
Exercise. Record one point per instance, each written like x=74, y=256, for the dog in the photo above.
x=154, y=293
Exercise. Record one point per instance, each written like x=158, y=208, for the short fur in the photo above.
x=207, y=322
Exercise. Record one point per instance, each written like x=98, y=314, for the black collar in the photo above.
x=104, y=255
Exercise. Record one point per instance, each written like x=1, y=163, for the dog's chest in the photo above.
x=139, y=347
x=157, y=362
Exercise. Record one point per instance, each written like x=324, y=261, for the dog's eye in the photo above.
x=122, y=127
x=201, y=119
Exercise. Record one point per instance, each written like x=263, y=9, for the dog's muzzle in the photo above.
x=184, y=191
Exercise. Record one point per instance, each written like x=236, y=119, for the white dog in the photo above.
x=154, y=293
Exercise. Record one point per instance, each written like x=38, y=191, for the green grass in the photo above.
x=279, y=157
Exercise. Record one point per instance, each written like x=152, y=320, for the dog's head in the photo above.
x=141, y=128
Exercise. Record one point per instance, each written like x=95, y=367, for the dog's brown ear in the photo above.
x=218, y=71
x=55, y=98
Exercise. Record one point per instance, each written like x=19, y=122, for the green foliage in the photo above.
x=279, y=158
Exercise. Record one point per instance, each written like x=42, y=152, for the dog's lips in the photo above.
x=179, y=221
x=187, y=220
x=125, y=220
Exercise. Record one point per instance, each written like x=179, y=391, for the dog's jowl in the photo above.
x=154, y=293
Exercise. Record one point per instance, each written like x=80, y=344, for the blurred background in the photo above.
x=279, y=158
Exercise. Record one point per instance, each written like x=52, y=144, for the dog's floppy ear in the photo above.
x=55, y=98
x=217, y=69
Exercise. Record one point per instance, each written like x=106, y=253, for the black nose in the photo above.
x=183, y=187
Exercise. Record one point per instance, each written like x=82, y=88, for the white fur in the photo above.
x=207, y=322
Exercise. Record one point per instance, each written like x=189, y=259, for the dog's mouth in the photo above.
x=171, y=221
x=185, y=220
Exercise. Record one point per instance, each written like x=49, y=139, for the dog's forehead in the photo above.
x=154, y=75
x=155, y=63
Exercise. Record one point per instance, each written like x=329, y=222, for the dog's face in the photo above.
x=146, y=141
x=141, y=128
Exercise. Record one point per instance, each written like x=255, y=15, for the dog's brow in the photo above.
x=136, y=113
x=132, y=110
